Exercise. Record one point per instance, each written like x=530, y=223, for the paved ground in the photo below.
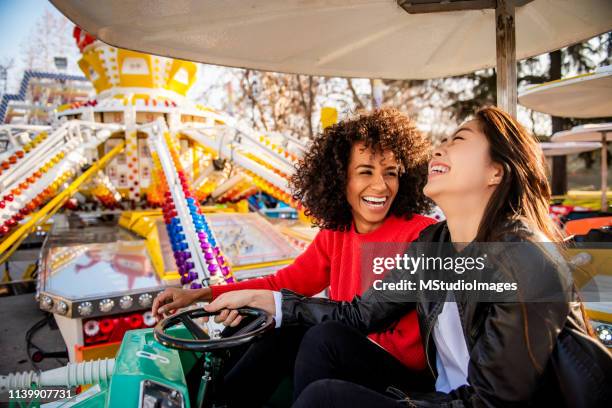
x=17, y=315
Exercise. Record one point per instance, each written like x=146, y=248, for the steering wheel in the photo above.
x=261, y=322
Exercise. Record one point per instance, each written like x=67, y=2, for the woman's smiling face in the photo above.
x=461, y=165
x=372, y=184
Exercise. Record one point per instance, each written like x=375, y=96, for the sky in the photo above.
x=17, y=19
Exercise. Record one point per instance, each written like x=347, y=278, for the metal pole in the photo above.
x=506, y=56
x=559, y=163
x=604, y=171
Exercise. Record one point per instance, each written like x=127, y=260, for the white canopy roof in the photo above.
x=582, y=96
x=585, y=133
x=352, y=38
x=565, y=148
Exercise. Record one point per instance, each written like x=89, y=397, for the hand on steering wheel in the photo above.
x=228, y=317
x=201, y=342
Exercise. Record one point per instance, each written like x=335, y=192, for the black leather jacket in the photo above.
x=505, y=368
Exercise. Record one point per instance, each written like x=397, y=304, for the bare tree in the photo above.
x=50, y=37
x=291, y=104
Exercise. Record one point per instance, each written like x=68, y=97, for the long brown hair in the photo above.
x=524, y=192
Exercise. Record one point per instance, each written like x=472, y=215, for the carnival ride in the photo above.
x=141, y=159
x=39, y=94
x=158, y=372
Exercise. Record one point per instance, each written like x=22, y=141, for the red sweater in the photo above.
x=334, y=259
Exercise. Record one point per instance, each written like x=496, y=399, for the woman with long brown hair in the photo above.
x=489, y=179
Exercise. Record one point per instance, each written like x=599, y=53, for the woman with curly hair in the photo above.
x=361, y=181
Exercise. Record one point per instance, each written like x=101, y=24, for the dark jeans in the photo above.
x=342, y=394
x=332, y=350
x=253, y=375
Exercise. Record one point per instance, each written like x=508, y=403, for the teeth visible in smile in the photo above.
x=375, y=201
x=438, y=169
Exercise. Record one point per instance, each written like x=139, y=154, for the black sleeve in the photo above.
x=372, y=312
x=517, y=339
x=366, y=314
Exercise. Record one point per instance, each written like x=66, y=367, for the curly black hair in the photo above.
x=320, y=179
